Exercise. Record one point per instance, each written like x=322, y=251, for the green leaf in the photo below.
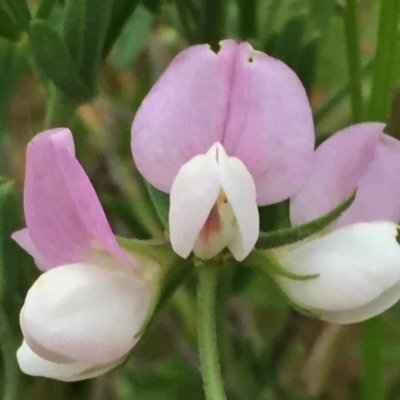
x=283, y=237
x=72, y=28
x=132, y=39
x=289, y=42
x=321, y=12
x=152, y=5
x=161, y=203
x=307, y=64
x=8, y=29
x=52, y=55
x=95, y=24
x=122, y=11
x=16, y=266
x=20, y=12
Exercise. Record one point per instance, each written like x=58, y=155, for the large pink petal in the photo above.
x=378, y=195
x=184, y=113
x=63, y=214
x=339, y=163
x=269, y=124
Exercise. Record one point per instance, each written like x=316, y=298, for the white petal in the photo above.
x=31, y=364
x=357, y=264
x=193, y=195
x=377, y=306
x=240, y=190
x=85, y=313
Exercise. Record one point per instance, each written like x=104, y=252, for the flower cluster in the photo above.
x=223, y=133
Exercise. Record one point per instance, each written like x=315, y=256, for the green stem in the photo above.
x=384, y=62
x=353, y=58
x=372, y=347
x=207, y=331
x=11, y=371
x=60, y=110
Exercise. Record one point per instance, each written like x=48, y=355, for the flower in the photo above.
x=358, y=261
x=222, y=133
x=81, y=316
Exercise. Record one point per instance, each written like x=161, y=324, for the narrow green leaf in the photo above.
x=96, y=19
x=72, y=28
x=354, y=58
x=321, y=12
x=289, y=42
x=8, y=29
x=132, y=38
x=51, y=53
x=282, y=237
x=20, y=12
x=45, y=9
x=122, y=11
x=307, y=64
x=247, y=18
x=161, y=203
x=152, y=5
x=16, y=266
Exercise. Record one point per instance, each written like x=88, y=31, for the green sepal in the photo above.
x=267, y=264
x=158, y=250
x=52, y=55
x=161, y=203
x=283, y=237
x=299, y=309
x=8, y=29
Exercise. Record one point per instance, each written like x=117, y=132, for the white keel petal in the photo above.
x=193, y=195
x=240, y=190
x=358, y=266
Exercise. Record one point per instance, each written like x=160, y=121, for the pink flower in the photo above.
x=223, y=133
x=358, y=262
x=81, y=316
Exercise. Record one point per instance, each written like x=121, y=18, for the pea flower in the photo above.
x=223, y=133
x=81, y=316
x=358, y=261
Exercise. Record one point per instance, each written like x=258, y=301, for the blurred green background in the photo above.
x=92, y=80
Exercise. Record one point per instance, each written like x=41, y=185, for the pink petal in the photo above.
x=378, y=196
x=24, y=240
x=339, y=164
x=257, y=109
x=184, y=113
x=269, y=124
x=63, y=214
